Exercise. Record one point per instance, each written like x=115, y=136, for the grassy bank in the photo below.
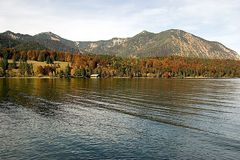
x=34, y=69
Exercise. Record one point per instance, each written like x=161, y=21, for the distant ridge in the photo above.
x=145, y=44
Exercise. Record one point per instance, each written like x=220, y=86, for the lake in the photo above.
x=119, y=119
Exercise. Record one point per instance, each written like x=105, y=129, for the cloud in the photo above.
x=94, y=20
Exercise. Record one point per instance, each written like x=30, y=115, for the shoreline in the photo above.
x=189, y=78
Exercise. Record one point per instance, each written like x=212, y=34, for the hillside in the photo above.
x=55, y=42
x=19, y=41
x=44, y=40
x=170, y=42
x=144, y=44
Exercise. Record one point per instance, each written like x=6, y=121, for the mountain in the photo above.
x=170, y=42
x=55, y=42
x=45, y=40
x=144, y=44
x=18, y=41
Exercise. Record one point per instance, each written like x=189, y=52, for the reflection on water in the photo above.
x=119, y=119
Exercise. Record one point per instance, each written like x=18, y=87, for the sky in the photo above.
x=84, y=20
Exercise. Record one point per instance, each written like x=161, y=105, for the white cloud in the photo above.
x=94, y=20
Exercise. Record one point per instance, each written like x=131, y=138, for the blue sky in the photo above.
x=217, y=20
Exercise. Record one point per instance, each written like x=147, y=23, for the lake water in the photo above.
x=119, y=119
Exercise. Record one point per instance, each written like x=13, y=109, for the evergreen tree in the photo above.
x=14, y=64
x=41, y=57
x=83, y=72
x=25, y=68
x=67, y=71
x=4, y=63
x=48, y=60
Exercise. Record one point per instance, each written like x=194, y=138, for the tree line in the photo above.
x=83, y=65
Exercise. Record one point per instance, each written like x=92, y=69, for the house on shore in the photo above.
x=95, y=76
